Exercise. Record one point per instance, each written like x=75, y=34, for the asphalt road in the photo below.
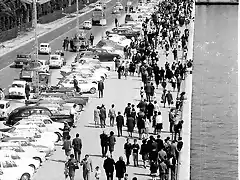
x=55, y=38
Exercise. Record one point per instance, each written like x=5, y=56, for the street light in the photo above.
x=36, y=45
x=77, y=25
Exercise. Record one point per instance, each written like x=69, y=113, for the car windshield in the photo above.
x=54, y=58
x=15, y=157
x=23, y=56
x=8, y=164
x=17, y=85
x=43, y=45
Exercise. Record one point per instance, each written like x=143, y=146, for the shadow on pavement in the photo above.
x=140, y=174
x=96, y=155
x=57, y=160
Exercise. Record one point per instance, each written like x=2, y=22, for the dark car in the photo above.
x=22, y=59
x=22, y=112
x=104, y=55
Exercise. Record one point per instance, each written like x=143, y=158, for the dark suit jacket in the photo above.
x=77, y=143
x=120, y=120
x=100, y=86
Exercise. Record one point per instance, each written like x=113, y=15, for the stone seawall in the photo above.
x=184, y=156
x=217, y=2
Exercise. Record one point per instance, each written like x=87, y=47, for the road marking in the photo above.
x=50, y=32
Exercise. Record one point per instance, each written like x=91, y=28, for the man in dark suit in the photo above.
x=120, y=123
x=104, y=143
x=160, y=144
x=100, y=88
x=77, y=147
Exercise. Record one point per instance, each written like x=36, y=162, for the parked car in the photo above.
x=32, y=131
x=17, y=89
x=125, y=31
x=87, y=25
x=45, y=48
x=121, y=40
x=22, y=59
x=61, y=53
x=85, y=85
x=25, y=111
x=10, y=170
x=116, y=10
x=41, y=146
x=104, y=55
x=19, y=159
x=44, y=123
x=55, y=61
x=4, y=109
x=29, y=152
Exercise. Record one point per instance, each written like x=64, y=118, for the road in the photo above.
x=55, y=38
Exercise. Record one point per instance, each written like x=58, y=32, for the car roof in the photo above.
x=31, y=107
x=44, y=44
x=5, y=144
x=9, y=139
x=4, y=102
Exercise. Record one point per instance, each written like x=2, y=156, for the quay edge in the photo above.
x=183, y=172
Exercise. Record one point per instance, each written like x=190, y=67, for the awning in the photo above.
x=42, y=1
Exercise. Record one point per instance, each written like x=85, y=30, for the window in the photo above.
x=18, y=149
x=44, y=45
x=15, y=157
x=17, y=85
x=46, y=112
x=26, y=113
x=54, y=58
x=47, y=121
x=7, y=164
x=2, y=106
x=8, y=105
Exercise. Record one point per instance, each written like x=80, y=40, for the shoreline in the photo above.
x=184, y=171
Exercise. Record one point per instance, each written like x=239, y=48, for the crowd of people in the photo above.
x=161, y=33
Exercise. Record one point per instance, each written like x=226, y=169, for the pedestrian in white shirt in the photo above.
x=97, y=173
x=156, y=107
x=159, y=123
x=73, y=113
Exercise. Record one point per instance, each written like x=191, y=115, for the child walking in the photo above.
x=97, y=173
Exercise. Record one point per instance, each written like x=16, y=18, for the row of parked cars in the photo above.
x=29, y=133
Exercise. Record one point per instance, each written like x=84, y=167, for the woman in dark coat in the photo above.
x=130, y=125
x=120, y=167
x=112, y=142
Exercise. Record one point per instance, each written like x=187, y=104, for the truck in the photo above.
x=98, y=15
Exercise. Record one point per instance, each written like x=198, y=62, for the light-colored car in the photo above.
x=19, y=159
x=46, y=125
x=44, y=65
x=85, y=85
x=10, y=170
x=4, y=109
x=55, y=60
x=32, y=131
x=45, y=48
x=17, y=89
x=41, y=146
x=98, y=6
x=121, y=40
x=119, y=6
x=87, y=25
x=24, y=151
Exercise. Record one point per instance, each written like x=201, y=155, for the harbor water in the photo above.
x=214, y=107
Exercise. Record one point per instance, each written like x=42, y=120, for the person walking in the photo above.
x=140, y=126
x=96, y=117
x=120, y=167
x=159, y=122
x=135, y=150
x=112, y=115
x=91, y=38
x=73, y=113
x=108, y=166
x=87, y=167
x=75, y=84
x=169, y=98
x=66, y=130
x=128, y=150
x=120, y=123
x=2, y=96
x=130, y=125
x=104, y=141
x=27, y=91
x=77, y=147
x=103, y=116
x=144, y=152
x=112, y=142
x=148, y=90
x=171, y=117
x=97, y=173
x=67, y=147
x=116, y=22
x=100, y=88
x=70, y=166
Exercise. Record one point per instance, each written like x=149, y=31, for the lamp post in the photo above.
x=36, y=45
x=77, y=25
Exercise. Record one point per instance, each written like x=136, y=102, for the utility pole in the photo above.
x=77, y=25
x=36, y=45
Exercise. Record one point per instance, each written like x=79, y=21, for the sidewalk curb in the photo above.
x=48, y=31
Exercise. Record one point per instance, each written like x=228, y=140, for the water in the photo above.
x=214, y=113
